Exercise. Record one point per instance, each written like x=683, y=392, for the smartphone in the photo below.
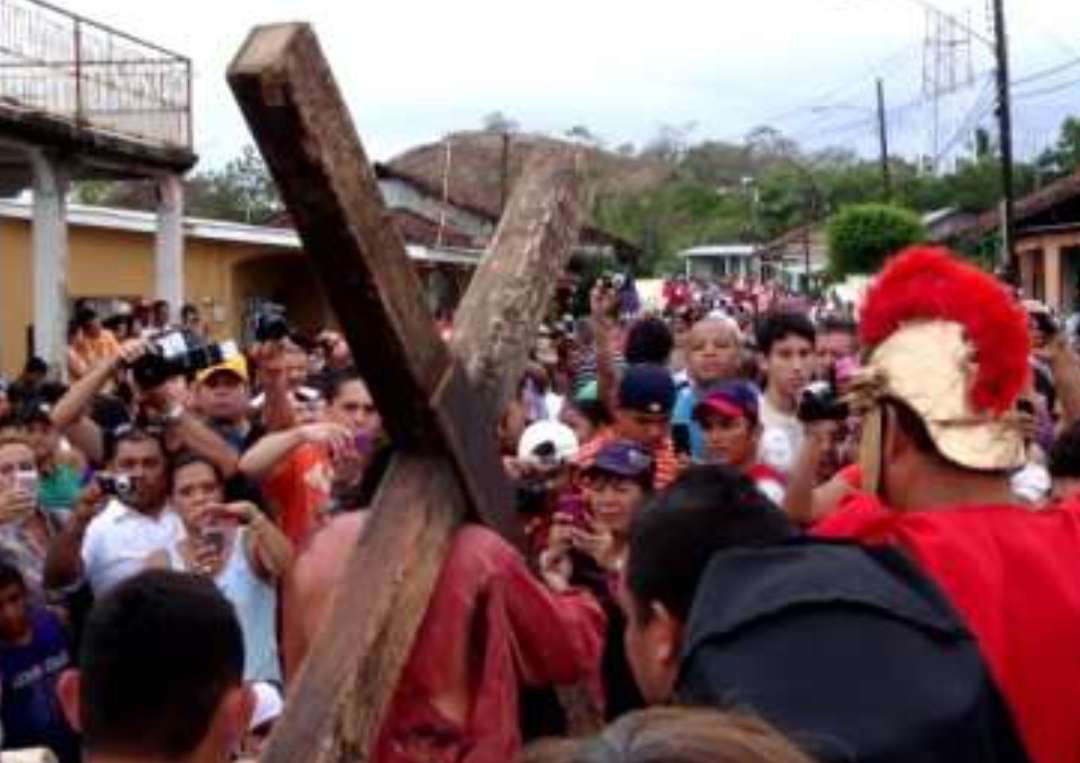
x=680, y=437
x=574, y=510
x=215, y=537
x=27, y=482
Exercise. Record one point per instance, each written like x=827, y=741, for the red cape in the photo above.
x=1014, y=575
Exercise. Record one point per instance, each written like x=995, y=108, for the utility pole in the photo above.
x=1004, y=112
x=884, y=136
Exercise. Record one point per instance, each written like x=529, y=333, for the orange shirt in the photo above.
x=91, y=352
x=299, y=490
x=667, y=464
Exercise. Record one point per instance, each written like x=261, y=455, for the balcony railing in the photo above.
x=67, y=67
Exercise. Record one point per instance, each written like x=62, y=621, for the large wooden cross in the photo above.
x=439, y=404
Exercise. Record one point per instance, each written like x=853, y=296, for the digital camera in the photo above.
x=177, y=354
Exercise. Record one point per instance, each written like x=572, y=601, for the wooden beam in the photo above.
x=337, y=702
x=497, y=320
x=303, y=129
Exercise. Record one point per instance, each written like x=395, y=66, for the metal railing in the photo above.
x=67, y=67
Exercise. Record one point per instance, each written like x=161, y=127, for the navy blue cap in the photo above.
x=647, y=388
x=623, y=458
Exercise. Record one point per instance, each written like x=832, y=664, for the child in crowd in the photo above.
x=730, y=421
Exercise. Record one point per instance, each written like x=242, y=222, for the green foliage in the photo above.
x=861, y=237
x=1064, y=157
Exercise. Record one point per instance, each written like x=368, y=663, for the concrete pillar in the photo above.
x=1052, y=271
x=50, y=261
x=169, y=243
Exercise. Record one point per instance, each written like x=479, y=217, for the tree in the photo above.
x=861, y=237
x=496, y=121
x=242, y=190
x=1064, y=157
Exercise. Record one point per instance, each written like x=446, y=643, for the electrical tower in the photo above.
x=947, y=65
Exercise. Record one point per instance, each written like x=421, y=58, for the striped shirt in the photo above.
x=667, y=465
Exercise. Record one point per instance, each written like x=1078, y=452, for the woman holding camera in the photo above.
x=242, y=550
x=25, y=529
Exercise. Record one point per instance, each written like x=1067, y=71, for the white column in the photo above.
x=169, y=243
x=50, y=261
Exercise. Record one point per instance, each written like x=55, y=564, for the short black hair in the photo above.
x=835, y=324
x=649, y=341
x=85, y=316
x=333, y=382
x=158, y=655
x=186, y=458
x=1065, y=453
x=775, y=327
x=10, y=574
x=708, y=509
x=36, y=365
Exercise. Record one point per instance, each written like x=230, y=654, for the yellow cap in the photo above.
x=235, y=365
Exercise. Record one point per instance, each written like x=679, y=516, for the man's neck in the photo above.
x=779, y=401
x=153, y=512
x=946, y=488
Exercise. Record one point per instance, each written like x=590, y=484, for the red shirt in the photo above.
x=490, y=629
x=299, y=490
x=1014, y=575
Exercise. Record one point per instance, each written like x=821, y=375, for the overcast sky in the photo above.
x=413, y=70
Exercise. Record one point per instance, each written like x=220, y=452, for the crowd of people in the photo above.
x=754, y=532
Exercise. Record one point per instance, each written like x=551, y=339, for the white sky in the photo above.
x=413, y=70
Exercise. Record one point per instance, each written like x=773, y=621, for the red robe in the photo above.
x=1014, y=575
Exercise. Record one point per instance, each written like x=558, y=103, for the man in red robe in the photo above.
x=491, y=629
x=942, y=432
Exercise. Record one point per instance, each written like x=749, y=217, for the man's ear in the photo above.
x=69, y=691
x=234, y=715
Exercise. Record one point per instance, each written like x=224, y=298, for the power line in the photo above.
x=1047, y=90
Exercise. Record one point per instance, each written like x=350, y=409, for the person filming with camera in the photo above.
x=123, y=523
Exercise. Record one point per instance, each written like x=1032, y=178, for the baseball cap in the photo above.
x=547, y=443
x=622, y=458
x=647, y=388
x=235, y=365
x=732, y=399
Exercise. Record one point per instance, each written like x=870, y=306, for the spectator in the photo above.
x=160, y=674
x=836, y=340
x=675, y=735
x=1065, y=464
x=28, y=385
x=241, y=550
x=585, y=414
x=591, y=541
x=60, y=479
x=135, y=530
x=786, y=344
x=26, y=531
x=192, y=322
x=649, y=340
x=542, y=473
x=727, y=608
x=90, y=345
x=713, y=353
x=729, y=418
x=160, y=317
x=222, y=396
x=33, y=652
x=646, y=396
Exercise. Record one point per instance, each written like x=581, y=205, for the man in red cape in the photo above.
x=942, y=432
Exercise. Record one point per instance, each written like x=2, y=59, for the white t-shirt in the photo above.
x=781, y=437
x=121, y=542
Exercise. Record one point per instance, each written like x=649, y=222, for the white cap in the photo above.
x=564, y=443
x=268, y=704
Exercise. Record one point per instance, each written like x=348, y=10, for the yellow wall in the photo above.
x=112, y=263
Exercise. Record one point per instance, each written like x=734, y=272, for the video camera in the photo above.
x=177, y=353
x=819, y=401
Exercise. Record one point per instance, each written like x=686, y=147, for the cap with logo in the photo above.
x=647, y=388
x=622, y=458
x=732, y=400
x=235, y=365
